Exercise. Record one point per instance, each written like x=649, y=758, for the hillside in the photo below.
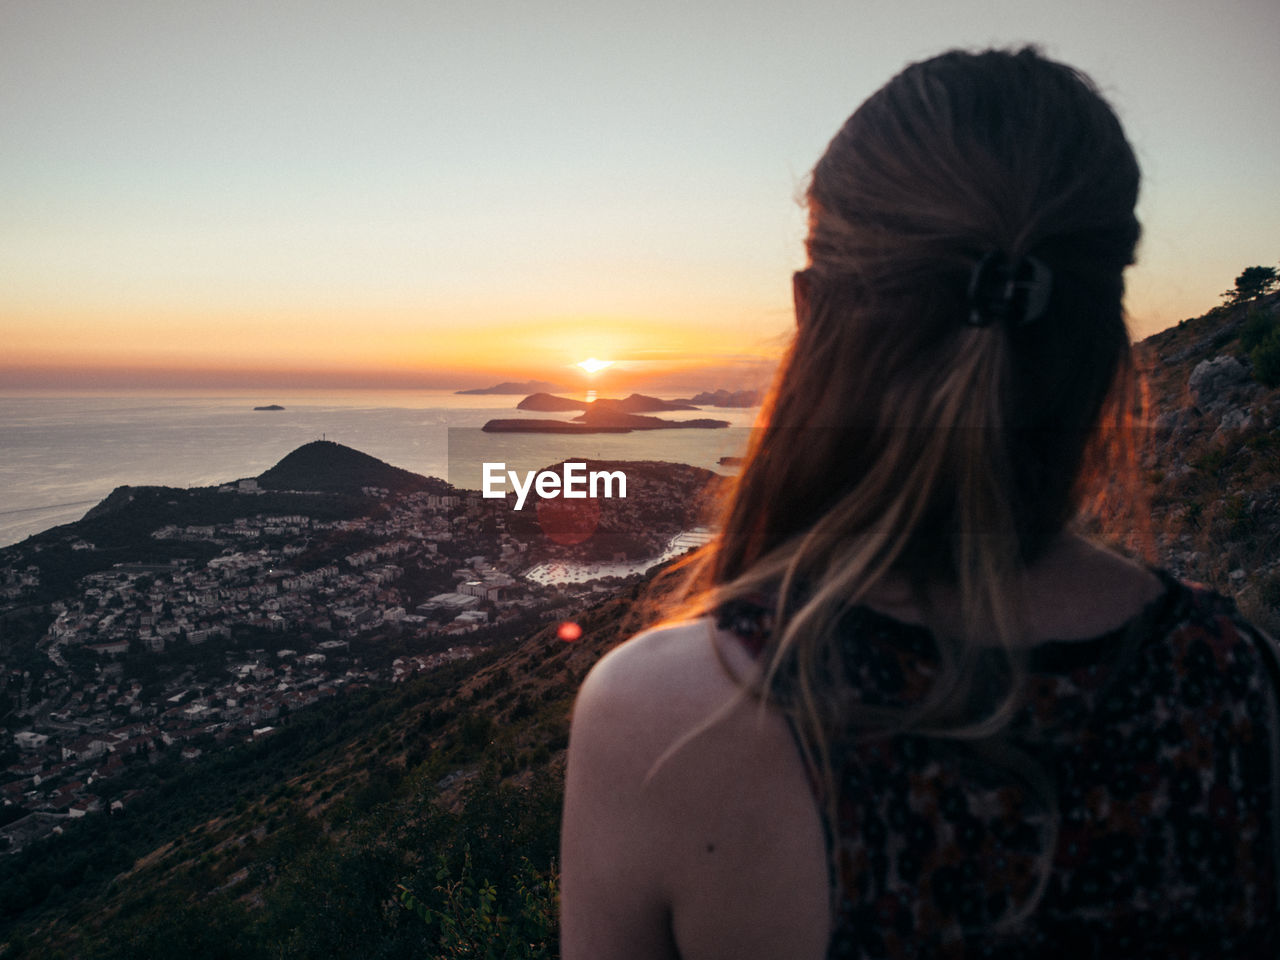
x=1211, y=456
x=368, y=826
x=332, y=468
x=230, y=838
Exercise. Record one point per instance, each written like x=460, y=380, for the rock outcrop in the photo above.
x=1212, y=461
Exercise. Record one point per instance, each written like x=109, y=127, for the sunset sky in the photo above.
x=445, y=194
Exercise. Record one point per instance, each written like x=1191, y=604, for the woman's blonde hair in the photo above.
x=900, y=440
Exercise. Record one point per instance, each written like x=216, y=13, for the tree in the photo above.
x=1252, y=283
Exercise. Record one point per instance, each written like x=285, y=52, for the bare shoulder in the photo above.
x=617, y=860
x=653, y=705
x=658, y=677
x=689, y=829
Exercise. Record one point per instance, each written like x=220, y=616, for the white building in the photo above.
x=30, y=740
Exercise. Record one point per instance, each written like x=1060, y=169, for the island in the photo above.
x=635, y=403
x=725, y=398
x=600, y=420
x=605, y=416
x=270, y=406
x=639, y=403
x=547, y=426
x=549, y=403
x=513, y=388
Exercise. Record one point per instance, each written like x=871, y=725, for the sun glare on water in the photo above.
x=592, y=365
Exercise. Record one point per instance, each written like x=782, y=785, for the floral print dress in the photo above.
x=1130, y=809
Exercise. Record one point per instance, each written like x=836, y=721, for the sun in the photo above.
x=592, y=365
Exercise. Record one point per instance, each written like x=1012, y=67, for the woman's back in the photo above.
x=1161, y=753
x=1156, y=742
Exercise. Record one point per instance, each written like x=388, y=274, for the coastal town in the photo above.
x=232, y=626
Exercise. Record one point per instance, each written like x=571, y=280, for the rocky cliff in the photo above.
x=1211, y=455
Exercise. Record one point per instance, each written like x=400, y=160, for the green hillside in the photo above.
x=332, y=468
x=420, y=820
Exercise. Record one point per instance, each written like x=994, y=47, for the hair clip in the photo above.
x=1010, y=293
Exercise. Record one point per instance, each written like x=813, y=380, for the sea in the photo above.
x=60, y=455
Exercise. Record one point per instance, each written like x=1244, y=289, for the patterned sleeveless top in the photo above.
x=1161, y=753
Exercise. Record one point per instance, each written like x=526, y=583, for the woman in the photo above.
x=907, y=711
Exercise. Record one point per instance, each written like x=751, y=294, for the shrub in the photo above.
x=1256, y=328
x=1266, y=360
x=1211, y=461
x=471, y=922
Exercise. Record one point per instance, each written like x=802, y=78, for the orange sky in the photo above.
x=450, y=195
x=731, y=345
x=411, y=349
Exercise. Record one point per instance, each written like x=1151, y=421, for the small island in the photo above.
x=270, y=406
x=547, y=426
x=725, y=398
x=549, y=403
x=600, y=416
x=635, y=403
x=513, y=388
x=607, y=416
x=639, y=403
x=601, y=420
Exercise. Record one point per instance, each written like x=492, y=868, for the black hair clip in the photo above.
x=1008, y=293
